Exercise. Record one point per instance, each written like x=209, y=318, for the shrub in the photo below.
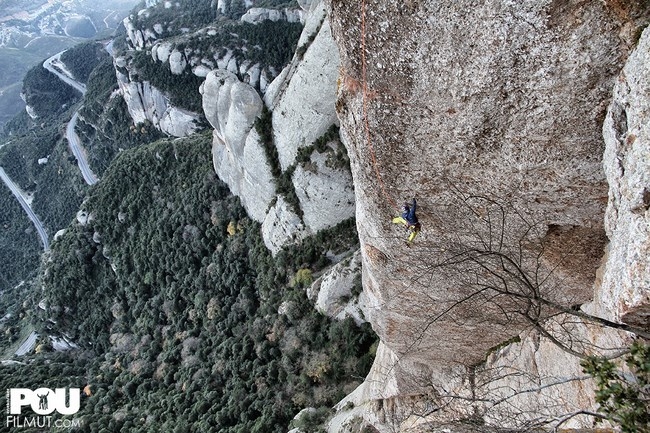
x=624, y=397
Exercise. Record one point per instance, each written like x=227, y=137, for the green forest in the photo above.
x=19, y=242
x=184, y=320
x=55, y=183
x=83, y=58
x=46, y=94
x=174, y=300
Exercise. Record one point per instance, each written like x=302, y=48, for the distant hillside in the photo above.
x=184, y=317
x=31, y=31
x=182, y=311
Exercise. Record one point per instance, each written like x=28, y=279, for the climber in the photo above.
x=409, y=219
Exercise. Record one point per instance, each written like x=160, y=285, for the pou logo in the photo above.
x=44, y=401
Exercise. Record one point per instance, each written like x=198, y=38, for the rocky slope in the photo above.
x=301, y=99
x=31, y=31
x=235, y=85
x=492, y=116
x=147, y=103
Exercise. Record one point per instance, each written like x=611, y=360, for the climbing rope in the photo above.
x=366, y=124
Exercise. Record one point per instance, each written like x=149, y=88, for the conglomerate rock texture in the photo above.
x=626, y=286
x=491, y=114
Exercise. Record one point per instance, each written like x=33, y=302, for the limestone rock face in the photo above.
x=31, y=112
x=333, y=291
x=452, y=101
x=139, y=39
x=303, y=95
x=508, y=107
x=177, y=62
x=145, y=102
x=257, y=15
x=556, y=377
x=231, y=107
x=305, y=4
x=160, y=52
x=282, y=226
x=201, y=71
x=626, y=287
x=135, y=35
x=326, y=194
x=302, y=101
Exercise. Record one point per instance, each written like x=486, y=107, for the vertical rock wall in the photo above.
x=147, y=103
x=500, y=100
x=625, y=291
x=302, y=100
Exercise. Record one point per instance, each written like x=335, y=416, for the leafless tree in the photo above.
x=506, y=267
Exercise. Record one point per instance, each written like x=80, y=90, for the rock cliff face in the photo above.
x=626, y=287
x=303, y=96
x=492, y=115
x=145, y=102
x=301, y=99
x=257, y=15
x=334, y=292
x=188, y=49
x=231, y=107
x=325, y=192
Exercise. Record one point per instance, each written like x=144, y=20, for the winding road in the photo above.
x=55, y=66
x=30, y=213
x=78, y=151
x=27, y=345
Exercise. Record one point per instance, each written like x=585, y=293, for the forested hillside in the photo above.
x=36, y=157
x=186, y=321
x=18, y=242
x=180, y=317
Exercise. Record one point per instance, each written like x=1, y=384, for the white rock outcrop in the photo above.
x=304, y=94
x=145, y=102
x=201, y=71
x=84, y=217
x=231, y=107
x=306, y=4
x=302, y=100
x=625, y=290
x=282, y=226
x=160, y=52
x=177, y=62
x=334, y=291
x=59, y=234
x=326, y=193
x=134, y=34
x=257, y=15
x=31, y=112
